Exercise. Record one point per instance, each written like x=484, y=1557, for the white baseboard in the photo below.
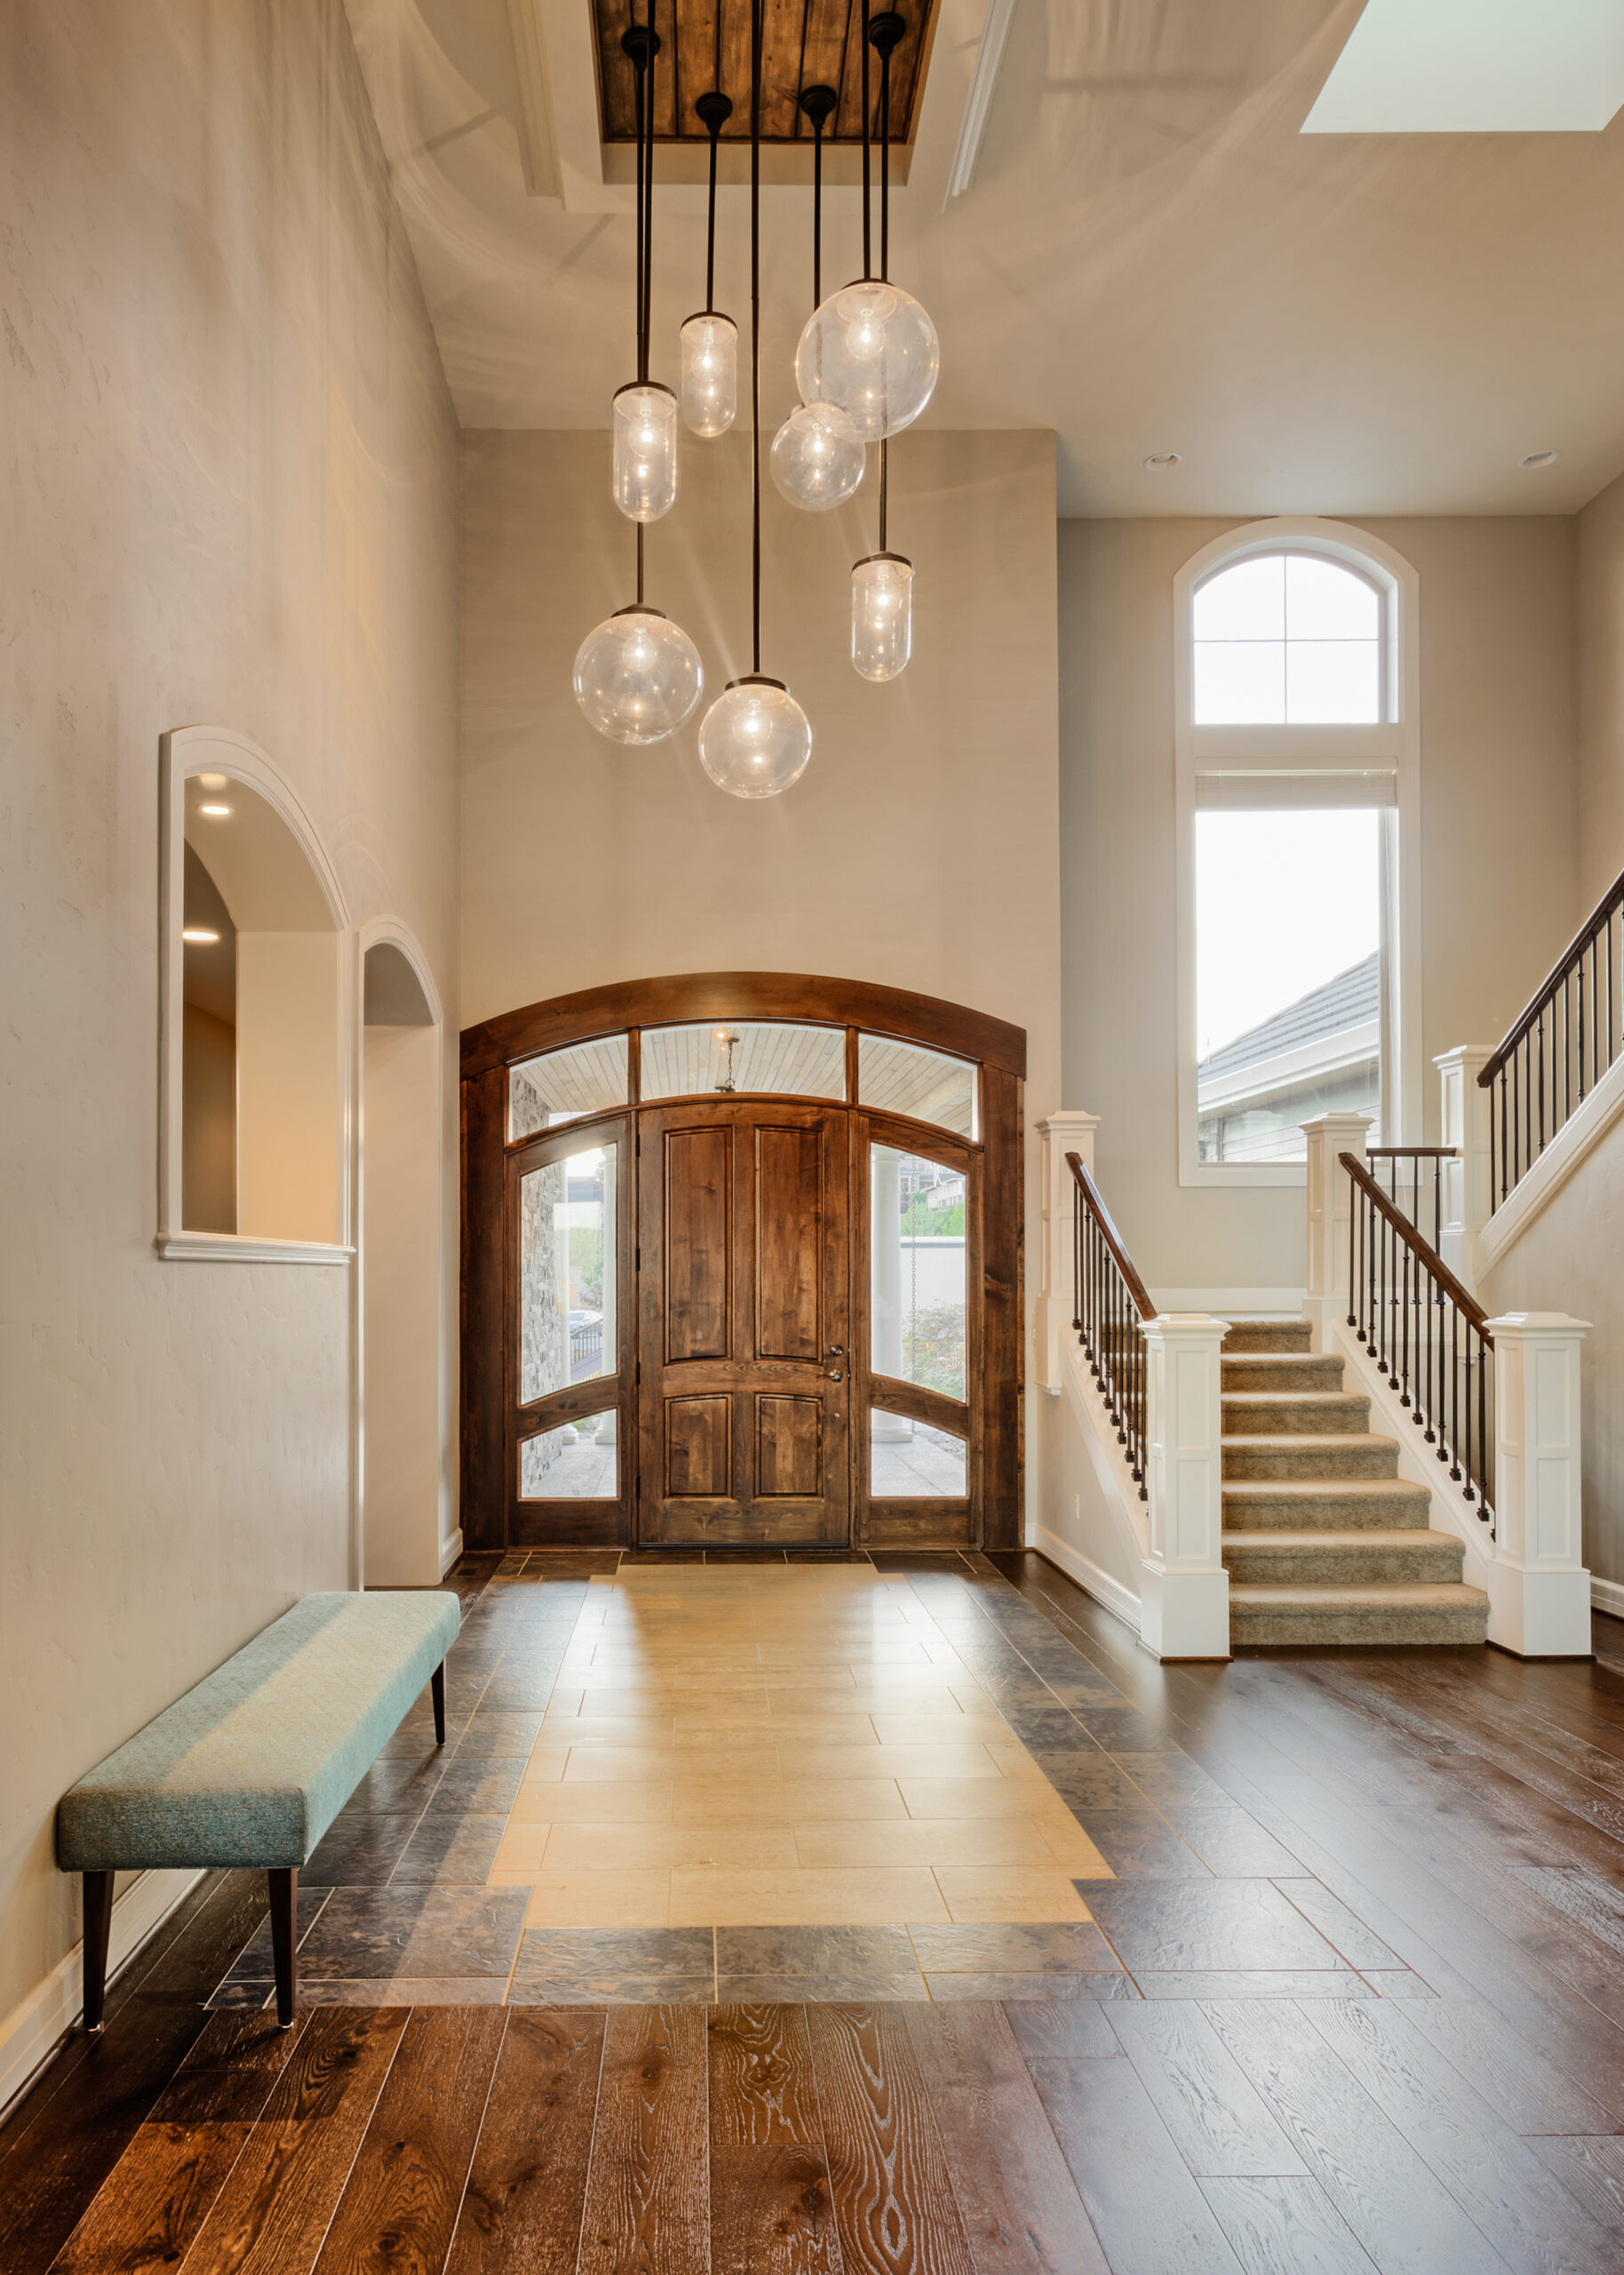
x=1121, y=1601
x=1608, y=1595
x=450, y=1549
x=1225, y=1303
x=31, y=2035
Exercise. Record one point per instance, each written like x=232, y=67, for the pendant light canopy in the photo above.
x=710, y=340
x=638, y=676
x=755, y=739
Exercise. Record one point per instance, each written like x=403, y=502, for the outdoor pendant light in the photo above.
x=755, y=739
x=637, y=674
x=817, y=455
x=645, y=477
x=710, y=341
x=870, y=351
x=882, y=583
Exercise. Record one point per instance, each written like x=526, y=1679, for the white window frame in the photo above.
x=1272, y=759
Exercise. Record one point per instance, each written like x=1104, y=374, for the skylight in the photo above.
x=1475, y=66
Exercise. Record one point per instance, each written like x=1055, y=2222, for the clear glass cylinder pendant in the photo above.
x=881, y=615
x=817, y=457
x=710, y=374
x=637, y=676
x=755, y=739
x=645, y=451
x=872, y=351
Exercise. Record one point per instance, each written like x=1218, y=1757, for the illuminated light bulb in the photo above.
x=817, y=457
x=881, y=615
x=645, y=477
x=710, y=373
x=637, y=676
x=872, y=351
x=199, y=935
x=755, y=739
x=215, y=813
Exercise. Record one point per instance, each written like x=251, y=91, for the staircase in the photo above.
x=1322, y=1541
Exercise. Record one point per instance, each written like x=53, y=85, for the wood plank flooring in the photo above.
x=1352, y=2001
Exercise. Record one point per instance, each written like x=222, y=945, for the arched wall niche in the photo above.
x=254, y=1106
x=406, y=1531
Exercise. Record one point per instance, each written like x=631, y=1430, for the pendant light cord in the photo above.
x=868, y=266
x=817, y=213
x=755, y=327
x=885, y=235
x=647, y=182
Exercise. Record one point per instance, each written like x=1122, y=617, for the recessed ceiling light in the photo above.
x=210, y=781
x=1161, y=461
x=199, y=935
x=1537, y=459
x=215, y=813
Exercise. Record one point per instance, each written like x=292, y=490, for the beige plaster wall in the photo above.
x=1600, y=612
x=230, y=475
x=1499, y=852
x=919, y=848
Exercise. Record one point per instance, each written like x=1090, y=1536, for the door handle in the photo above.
x=835, y=1376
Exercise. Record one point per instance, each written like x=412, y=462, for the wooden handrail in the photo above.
x=1428, y=1256
x=1414, y=1152
x=1542, y=993
x=1112, y=1238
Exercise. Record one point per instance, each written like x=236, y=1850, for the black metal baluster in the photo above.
x=1455, y=1394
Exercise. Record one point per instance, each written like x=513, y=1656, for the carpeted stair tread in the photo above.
x=1354, y=1454
x=1285, y=1560
x=1282, y=1370
x=1248, y=1413
x=1337, y=1503
x=1268, y=1335
x=1370, y=1612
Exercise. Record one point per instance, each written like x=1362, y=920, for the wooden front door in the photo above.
x=745, y=1324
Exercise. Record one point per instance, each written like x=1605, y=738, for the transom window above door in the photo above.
x=564, y=1085
x=1286, y=639
x=761, y=1058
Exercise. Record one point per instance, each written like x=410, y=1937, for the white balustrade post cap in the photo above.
x=1339, y=1122
x=1452, y=1057
x=1188, y=1323
x=1526, y=1324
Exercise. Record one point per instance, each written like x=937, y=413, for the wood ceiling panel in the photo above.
x=805, y=42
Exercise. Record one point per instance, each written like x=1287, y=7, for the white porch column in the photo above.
x=1061, y=1134
x=1184, y=1593
x=1330, y=1212
x=1538, y=1584
x=1468, y=1201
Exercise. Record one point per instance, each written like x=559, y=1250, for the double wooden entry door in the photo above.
x=744, y=1309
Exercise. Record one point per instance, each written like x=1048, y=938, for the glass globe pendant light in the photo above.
x=818, y=455
x=645, y=412
x=755, y=739
x=870, y=351
x=710, y=340
x=637, y=674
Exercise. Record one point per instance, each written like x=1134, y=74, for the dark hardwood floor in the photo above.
x=1354, y=2000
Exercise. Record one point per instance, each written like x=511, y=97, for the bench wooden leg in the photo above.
x=285, y=1941
x=437, y=1683
x=98, y=1925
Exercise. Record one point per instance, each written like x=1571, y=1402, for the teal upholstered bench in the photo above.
x=253, y=1766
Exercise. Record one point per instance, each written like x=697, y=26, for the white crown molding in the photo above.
x=978, y=102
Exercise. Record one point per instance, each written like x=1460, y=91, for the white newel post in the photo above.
x=1185, y=1593
x=1469, y=1201
x=1539, y=1588
x=1330, y=1199
x=1061, y=1134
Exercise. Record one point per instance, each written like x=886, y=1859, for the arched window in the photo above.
x=1297, y=797
x=1286, y=639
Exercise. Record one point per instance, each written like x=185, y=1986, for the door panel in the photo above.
x=745, y=1301
x=699, y=1245
x=789, y=1446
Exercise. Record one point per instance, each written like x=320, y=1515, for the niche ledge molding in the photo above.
x=241, y=1248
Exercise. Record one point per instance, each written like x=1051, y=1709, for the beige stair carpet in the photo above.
x=1322, y=1541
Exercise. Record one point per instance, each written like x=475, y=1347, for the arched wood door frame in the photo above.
x=492, y=1048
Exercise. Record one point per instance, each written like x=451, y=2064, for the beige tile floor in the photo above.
x=780, y=1746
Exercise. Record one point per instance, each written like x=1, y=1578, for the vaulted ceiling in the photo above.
x=1151, y=257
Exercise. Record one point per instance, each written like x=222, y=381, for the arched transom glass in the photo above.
x=1286, y=639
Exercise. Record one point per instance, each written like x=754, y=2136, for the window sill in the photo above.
x=239, y=1247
